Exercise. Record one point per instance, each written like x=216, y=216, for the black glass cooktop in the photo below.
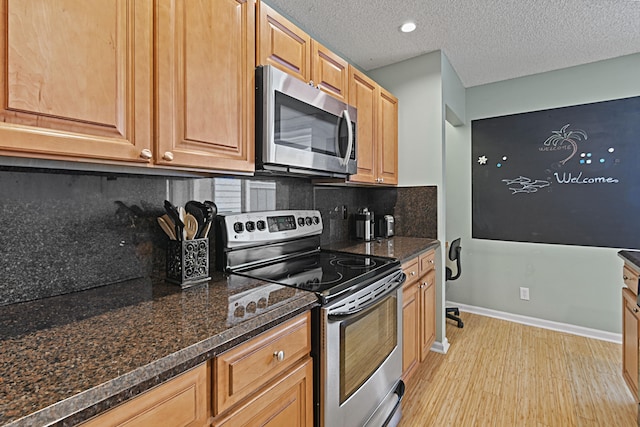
x=326, y=272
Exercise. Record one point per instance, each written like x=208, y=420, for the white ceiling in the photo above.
x=485, y=40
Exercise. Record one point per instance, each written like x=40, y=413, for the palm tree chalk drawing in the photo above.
x=527, y=185
x=559, y=137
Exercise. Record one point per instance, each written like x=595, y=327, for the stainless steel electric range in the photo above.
x=356, y=330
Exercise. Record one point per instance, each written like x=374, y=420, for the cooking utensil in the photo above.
x=212, y=212
x=175, y=217
x=200, y=212
x=168, y=229
x=190, y=226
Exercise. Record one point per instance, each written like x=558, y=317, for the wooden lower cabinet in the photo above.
x=268, y=380
x=284, y=403
x=180, y=402
x=630, y=327
x=265, y=381
x=410, y=329
x=427, y=313
x=418, y=311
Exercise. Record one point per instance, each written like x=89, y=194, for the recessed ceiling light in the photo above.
x=407, y=27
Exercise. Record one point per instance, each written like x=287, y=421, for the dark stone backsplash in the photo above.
x=66, y=231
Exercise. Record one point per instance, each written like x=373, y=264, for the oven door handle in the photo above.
x=397, y=280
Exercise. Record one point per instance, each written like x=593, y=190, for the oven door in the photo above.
x=361, y=360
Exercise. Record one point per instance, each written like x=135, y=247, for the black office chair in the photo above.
x=453, y=272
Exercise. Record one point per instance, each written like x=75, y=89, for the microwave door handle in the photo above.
x=347, y=117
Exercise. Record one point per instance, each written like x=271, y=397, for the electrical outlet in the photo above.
x=524, y=294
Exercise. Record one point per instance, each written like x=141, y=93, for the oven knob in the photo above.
x=316, y=220
x=307, y=220
x=250, y=226
x=238, y=227
x=261, y=225
x=301, y=221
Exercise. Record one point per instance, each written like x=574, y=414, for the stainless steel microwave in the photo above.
x=300, y=129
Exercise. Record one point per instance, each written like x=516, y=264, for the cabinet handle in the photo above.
x=381, y=179
x=430, y=261
x=168, y=156
x=278, y=355
x=635, y=310
x=625, y=278
x=413, y=273
x=146, y=154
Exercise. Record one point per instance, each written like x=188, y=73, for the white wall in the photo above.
x=428, y=89
x=575, y=285
x=417, y=84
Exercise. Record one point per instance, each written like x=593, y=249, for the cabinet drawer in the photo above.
x=247, y=367
x=286, y=402
x=427, y=262
x=411, y=269
x=182, y=401
x=630, y=278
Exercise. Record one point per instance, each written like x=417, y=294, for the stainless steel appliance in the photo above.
x=356, y=330
x=364, y=225
x=300, y=129
x=386, y=226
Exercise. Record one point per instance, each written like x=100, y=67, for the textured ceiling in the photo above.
x=485, y=40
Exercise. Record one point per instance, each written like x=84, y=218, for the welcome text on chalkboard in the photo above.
x=567, y=175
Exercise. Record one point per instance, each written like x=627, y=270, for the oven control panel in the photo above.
x=249, y=228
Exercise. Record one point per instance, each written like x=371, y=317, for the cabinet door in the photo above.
x=363, y=94
x=180, y=402
x=75, y=79
x=330, y=72
x=427, y=313
x=205, y=84
x=630, y=326
x=282, y=44
x=388, y=139
x=286, y=403
x=410, y=329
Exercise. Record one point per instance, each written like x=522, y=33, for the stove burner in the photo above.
x=319, y=282
x=355, y=263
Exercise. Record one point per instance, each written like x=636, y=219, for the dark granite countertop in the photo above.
x=632, y=257
x=64, y=359
x=402, y=248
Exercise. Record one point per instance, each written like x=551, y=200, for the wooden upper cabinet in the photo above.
x=205, y=84
x=363, y=94
x=377, y=133
x=282, y=44
x=330, y=73
x=76, y=79
x=388, y=139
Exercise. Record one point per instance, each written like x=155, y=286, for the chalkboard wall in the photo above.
x=566, y=176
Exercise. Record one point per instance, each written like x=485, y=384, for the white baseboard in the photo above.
x=540, y=323
x=440, y=347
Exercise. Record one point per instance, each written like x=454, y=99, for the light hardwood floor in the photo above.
x=499, y=373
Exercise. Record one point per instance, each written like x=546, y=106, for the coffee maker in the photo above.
x=365, y=225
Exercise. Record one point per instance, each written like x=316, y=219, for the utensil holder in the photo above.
x=188, y=261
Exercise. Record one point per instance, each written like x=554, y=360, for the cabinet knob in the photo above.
x=625, y=278
x=168, y=156
x=413, y=273
x=381, y=179
x=430, y=261
x=635, y=310
x=278, y=355
x=146, y=154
